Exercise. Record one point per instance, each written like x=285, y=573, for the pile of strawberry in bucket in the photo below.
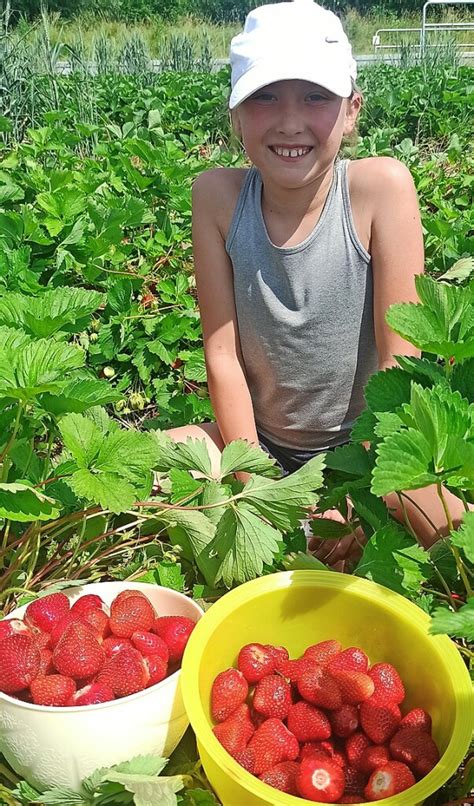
x=326, y=727
x=88, y=653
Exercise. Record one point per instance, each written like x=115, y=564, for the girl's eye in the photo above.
x=264, y=97
x=314, y=97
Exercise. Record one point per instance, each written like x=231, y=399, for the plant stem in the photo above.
x=454, y=549
x=4, y=455
x=422, y=511
x=406, y=518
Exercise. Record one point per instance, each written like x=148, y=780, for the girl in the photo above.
x=298, y=258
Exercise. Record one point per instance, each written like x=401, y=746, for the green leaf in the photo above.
x=62, y=797
x=363, y=428
x=106, y=489
x=50, y=311
x=142, y=765
x=328, y=528
x=352, y=459
x=392, y=558
x=283, y=502
x=461, y=270
x=170, y=576
x=189, y=455
x=458, y=625
x=423, y=367
x=81, y=437
x=462, y=379
x=195, y=533
x=241, y=455
x=79, y=394
x=243, y=542
x=388, y=390
x=301, y=561
x=214, y=492
x=18, y=502
x=183, y=486
x=149, y=790
x=463, y=537
x=195, y=366
x=39, y=366
x=198, y=797
x=403, y=463
x=370, y=508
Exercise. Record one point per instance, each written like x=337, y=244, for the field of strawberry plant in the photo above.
x=101, y=350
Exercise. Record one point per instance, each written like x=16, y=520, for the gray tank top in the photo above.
x=305, y=318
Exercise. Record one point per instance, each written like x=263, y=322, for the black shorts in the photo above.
x=287, y=459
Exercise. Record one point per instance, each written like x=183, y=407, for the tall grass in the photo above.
x=360, y=29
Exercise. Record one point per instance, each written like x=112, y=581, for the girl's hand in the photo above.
x=341, y=554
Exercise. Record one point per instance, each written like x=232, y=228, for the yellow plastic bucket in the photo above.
x=299, y=608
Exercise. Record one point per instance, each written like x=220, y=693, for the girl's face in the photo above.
x=292, y=130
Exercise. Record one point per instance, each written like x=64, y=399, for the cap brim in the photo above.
x=260, y=76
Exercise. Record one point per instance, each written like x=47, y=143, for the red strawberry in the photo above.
x=60, y=627
x=90, y=601
x=324, y=749
x=236, y=731
x=255, y=661
x=282, y=776
x=344, y=721
x=355, y=746
x=124, y=672
x=389, y=780
x=46, y=662
x=417, y=718
x=229, y=690
x=323, y=652
x=279, y=653
x=355, y=782
x=308, y=723
x=78, y=652
x=353, y=659
x=355, y=687
x=150, y=644
x=45, y=612
x=93, y=694
x=321, y=780
x=246, y=759
x=318, y=687
x=113, y=644
x=52, y=689
x=373, y=757
x=12, y=626
x=129, y=614
x=272, y=743
x=379, y=721
x=127, y=593
x=294, y=669
x=388, y=684
x=272, y=696
x=416, y=749
x=41, y=639
x=175, y=631
x=19, y=662
x=157, y=668
x=98, y=620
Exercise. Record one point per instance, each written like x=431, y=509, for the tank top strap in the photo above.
x=246, y=194
x=343, y=185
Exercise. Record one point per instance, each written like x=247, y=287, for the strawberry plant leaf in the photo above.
x=195, y=533
x=421, y=368
x=18, y=502
x=189, y=455
x=328, y=528
x=170, y=576
x=463, y=537
x=462, y=379
x=352, y=459
x=79, y=394
x=81, y=437
x=458, y=625
x=443, y=418
x=142, y=765
x=300, y=561
x=387, y=423
x=370, y=508
x=213, y=493
x=388, y=390
x=241, y=455
x=403, y=463
x=149, y=790
x=183, y=486
x=283, y=501
x=197, y=797
x=461, y=270
x=363, y=428
x=195, y=366
x=107, y=489
x=243, y=542
x=38, y=366
x=392, y=558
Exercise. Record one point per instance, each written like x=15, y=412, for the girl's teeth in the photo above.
x=291, y=152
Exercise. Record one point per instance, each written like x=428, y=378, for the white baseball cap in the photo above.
x=295, y=40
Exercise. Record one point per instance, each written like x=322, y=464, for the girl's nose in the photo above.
x=289, y=120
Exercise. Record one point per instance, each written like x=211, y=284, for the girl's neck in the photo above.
x=297, y=203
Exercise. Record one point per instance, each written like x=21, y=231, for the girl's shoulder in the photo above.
x=215, y=195
x=377, y=175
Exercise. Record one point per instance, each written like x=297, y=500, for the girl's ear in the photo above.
x=353, y=106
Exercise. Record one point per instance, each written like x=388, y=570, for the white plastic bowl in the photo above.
x=51, y=746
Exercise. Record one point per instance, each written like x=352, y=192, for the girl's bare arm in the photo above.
x=227, y=383
x=396, y=249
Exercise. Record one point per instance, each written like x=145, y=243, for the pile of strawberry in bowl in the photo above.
x=88, y=653
x=327, y=726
